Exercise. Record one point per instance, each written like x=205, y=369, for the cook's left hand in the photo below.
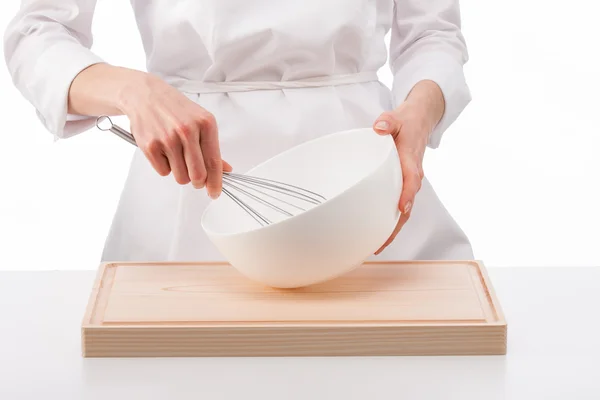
x=410, y=124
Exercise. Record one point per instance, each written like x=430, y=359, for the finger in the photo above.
x=192, y=154
x=153, y=150
x=209, y=142
x=411, y=182
x=227, y=167
x=160, y=163
x=401, y=221
x=151, y=147
x=195, y=164
x=387, y=124
x=174, y=152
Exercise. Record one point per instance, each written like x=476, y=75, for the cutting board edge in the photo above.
x=293, y=342
x=492, y=295
x=93, y=297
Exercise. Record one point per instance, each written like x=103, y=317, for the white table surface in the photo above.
x=553, y=352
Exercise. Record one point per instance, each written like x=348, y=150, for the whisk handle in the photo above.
x=116, y=129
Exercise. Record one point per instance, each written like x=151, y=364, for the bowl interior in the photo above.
x=328, y=165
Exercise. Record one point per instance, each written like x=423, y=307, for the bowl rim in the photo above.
x=262, y=228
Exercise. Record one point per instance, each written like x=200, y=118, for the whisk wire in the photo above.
x=262, y=201
x=281, y=187
x=256, y=186
x=262, y=220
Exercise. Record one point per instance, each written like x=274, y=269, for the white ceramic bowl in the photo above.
x=357, y=171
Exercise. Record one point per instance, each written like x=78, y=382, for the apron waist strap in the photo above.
x=199, y=87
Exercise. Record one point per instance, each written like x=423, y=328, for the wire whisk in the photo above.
x=283, y=199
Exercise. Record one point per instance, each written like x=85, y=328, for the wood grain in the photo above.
x=209, y=309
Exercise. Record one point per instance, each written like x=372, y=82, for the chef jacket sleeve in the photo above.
x=426, y=43
x=45, y=46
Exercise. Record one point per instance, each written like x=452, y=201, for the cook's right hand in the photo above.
x=175, y=134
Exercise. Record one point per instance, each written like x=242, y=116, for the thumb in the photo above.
x=386, y=124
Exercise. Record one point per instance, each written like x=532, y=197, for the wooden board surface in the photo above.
x=209, y=309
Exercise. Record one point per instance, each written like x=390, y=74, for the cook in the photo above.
x=232, y=83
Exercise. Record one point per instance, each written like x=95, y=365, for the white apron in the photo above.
x=274, y=73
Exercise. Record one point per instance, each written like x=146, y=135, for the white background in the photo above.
x=520, y=169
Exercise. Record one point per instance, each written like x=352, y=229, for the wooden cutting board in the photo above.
x=209, y=309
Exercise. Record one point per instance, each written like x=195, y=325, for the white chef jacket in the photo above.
x=274, y=74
